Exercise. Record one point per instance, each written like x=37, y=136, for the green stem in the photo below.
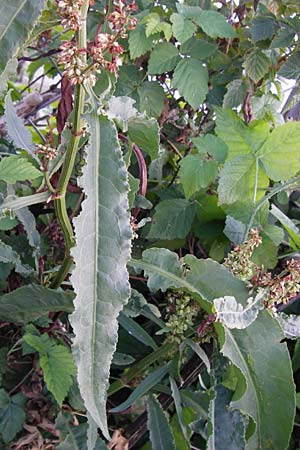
x=67, y=168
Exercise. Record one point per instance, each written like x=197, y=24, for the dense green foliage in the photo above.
x=149, y=229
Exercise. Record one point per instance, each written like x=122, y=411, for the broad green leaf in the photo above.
x=290, y=323
x=135, y=330
x=280, y=154
x=232, y=314
x=165, y=271
x=238, y=180
x=129, y=79
x=183, y=29
x=283, y=38
x=256, y=65
x=212, y=145
x=198, y=48
x=100, y=278
x=148, y=383
x=152, y=21
x=56, y=362
x=236, y=94
x=161, y=435
x=234, y=230
x=196, y=174
x=15, y=168
x=172, y=219
x=291, y=68
x=191, y=80
x=12, y=415
x=263, y=27
x=228, y=429
x=16, y=130
x=163, y=58
x=8, y=255
x=29, y=302
x=145, y=133
x=17, y=19
x=266, y=254
x=257, y=351
x=139, y=43
x=187, y=11
x=214, y=24
x=151, y=96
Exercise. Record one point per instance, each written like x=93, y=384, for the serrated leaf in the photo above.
x=16, y=129
x=12, y=415
x=12, y=35
x=145, y=133
x=29, y=302
x=172, y=219
x=183, y=29
x=238, y=181
x=56, y=362
x=234, y=315
x=196, y=174
x=290, y=323
x=235, y=95
x=100, y=278
x=256, y=65
x=151, y=96
x=257, y=351
x=214, y=24
x=148, y=383
x=191, y=80
x=139, y=43
x=212, y=145
x=152, y=23
x=263, y=27
x=8, y=255
x=291, y=68
x=280, y=154
x=15, y=168
x=161, y=435
x=198, y=48
x=163, y=58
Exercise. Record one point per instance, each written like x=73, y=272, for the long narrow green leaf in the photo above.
x=148, y=383
x=17, y=18
x=135, y=330
x=100, y=278
x=161, y=435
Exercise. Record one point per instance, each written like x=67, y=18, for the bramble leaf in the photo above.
x=15, y=168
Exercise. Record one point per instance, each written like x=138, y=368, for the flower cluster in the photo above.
x=69, y=11
x=75, y=69
x=182, y=311
x=120, y=18
x=282, y=287
x=46, y=150
x=239, y=260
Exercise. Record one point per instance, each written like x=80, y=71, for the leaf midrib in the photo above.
x=12, y=19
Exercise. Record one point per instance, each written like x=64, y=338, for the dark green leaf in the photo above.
x=161, y=436
x=198, y=48
x=256, y=65
x=151, y=96
x=191, y=80
x=145, y=133
x=139, y=43
x=214, y=24
x=12, y=415
x=182, y=28
x=135, y=330
x=163, y=58
x=263, y=27
x=291, y=68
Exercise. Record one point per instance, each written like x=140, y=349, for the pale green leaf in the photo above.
x=196, y=174
x=8, y=255
x=152, y=23
x=148, y=383
x=163, y=58
x=234, y=315
x=172, y=219
x=212, y=145
x=145, y=133
x=290, y=323
x=29, y=302
x=257, y=351
x=139, y=43
x=100, y=277
x=256, y=65
x=161, y=435
x=17, y=19
x=280, y=154
x=56, y=362
x=16, y=129
x=238, y=180
x=235, y=95
x=15, y=168
x=191, y=80
x=7, y=74
x=183, y=29
x=178, y=407
x=214, y=24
